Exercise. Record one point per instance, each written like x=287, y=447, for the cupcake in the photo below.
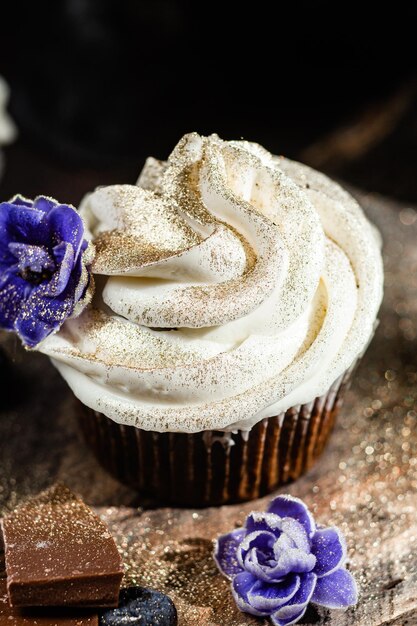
x=7, y=128
x=235, y=292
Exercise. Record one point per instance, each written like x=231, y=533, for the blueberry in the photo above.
x=139, y=606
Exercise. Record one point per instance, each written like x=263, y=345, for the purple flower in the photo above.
x=43, y=266
x=280, y=561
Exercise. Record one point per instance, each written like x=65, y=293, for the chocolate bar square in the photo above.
x=59, y=553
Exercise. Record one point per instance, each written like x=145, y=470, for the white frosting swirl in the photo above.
x=234, y=284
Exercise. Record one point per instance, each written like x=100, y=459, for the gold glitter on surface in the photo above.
x=366, y=481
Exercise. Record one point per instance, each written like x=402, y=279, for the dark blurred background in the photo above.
x=97, y=85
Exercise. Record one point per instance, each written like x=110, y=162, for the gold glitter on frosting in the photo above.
x=143, y=228
x=269, y=273
x=113, y=341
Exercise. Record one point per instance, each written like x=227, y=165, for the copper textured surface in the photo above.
x=365, y=482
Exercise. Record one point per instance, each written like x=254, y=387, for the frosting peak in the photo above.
x=233, y=285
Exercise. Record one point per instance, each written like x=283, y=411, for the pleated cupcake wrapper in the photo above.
x=212, y=467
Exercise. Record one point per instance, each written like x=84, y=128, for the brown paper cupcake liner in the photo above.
x=213, y=467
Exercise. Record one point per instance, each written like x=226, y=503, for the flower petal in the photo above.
x=288, y=506
x=7, y=209
x=284, y=542
x=33, y=330
x=298, y=603
x=53, y=310
x=260, y=539
x=296, y=531
x=336, y=590
x=225, y=552
x=64, y=259
x=21, y=201
x=42, y=203
x=258, y=520
x=259, y=570
x=24, y=224
x=295, y=560
x=268, y=597
x=13, y=291
x=80, y=278
x=329, y=548
x=241, y=585
x=7, y=259
x=41, y=315
x=35, y=258
x=66, y=225
x=276, y=621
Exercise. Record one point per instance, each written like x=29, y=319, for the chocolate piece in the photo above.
x=139, y=606
x=12, y=616
x=59, y=553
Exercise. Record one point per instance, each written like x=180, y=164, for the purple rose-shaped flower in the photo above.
x=280, y=561
x=43, y=266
